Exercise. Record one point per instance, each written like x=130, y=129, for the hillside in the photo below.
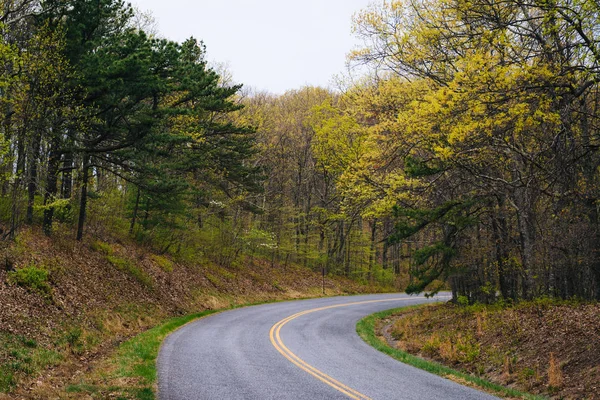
x=71, y=303
x=543, y=347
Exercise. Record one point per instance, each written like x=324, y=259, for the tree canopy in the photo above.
x=467, y=157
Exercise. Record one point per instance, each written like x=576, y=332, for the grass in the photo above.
x=163, y=263
x=24, y=357
x=132, y=368
x=135, y=361
x=131, y=269
x=102, y=247
x=366, y=330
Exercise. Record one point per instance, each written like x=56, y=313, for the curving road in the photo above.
x=305, y=349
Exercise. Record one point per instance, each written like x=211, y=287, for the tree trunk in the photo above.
x=372, y=255
x=524, y=201
x=33, y=177
x=84, y=196
x=307, y=227
x=67, y=177
x=14, y=220
x=135, y=211
x=51, y=187
x=500, y=238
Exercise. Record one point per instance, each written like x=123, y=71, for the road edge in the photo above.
x=137, y=358
x=365, y=328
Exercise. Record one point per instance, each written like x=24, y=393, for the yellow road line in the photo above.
x=294, y=359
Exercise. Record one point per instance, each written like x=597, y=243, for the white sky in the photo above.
x=272, y=45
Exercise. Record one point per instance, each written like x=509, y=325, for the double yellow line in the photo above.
x=294, y=359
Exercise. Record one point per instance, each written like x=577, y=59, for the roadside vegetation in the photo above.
x=130, y=372
x=66, y=313
x=138, y=183
x=369, y=329
x=544, y=347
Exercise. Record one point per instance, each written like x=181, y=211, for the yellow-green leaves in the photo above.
x=340, y=141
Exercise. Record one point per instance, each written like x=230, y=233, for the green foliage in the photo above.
x=164, y=263
x=20, y=357
x=127, y=266
x=32, y=278
x=102, y=247
x=422, y=255
x=462, y=301
x=448, y=167
x=257, y=239
x=417, y=168
x=383, y=276
x=59, y=205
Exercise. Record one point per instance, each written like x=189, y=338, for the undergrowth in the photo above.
x=135, y=362
x=366, y=328
x=131, y=269
x=23, y=357
x=32, y=278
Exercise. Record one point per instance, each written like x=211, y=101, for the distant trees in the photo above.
x=469, y=157
x=504, y=146
x=314, y=152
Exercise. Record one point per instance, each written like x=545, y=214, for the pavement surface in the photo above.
x=306, y=349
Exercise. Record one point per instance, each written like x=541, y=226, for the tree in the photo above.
x=501, y=85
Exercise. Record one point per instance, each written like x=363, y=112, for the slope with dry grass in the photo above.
x=64, y=304
x=542, y=347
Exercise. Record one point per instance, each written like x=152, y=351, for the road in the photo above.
x=305, y=349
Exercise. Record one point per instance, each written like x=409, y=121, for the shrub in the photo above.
x=31, y=278
x=463, y=301
x=102, y=247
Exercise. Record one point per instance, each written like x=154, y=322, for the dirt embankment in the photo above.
x=541, y=347
x=65, y=304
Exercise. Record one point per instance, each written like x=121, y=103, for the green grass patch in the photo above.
x=163, y=262
x=135, y=361
x=137, y=357
x=22, y=357
x=216, y=282
x=83, y=388
x=102, y=247
x=223, y=273
x=131, y=269
x=366, y=330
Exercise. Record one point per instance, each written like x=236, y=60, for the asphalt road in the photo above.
x=305, y=349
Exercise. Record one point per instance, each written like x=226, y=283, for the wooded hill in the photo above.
x=468, y=156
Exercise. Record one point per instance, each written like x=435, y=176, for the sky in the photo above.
x=272, y=45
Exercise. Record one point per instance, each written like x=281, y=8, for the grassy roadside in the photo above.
x=67, y=307
x=131, y=373
x=366, y=329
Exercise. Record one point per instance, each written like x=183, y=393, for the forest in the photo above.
x=462, y=154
